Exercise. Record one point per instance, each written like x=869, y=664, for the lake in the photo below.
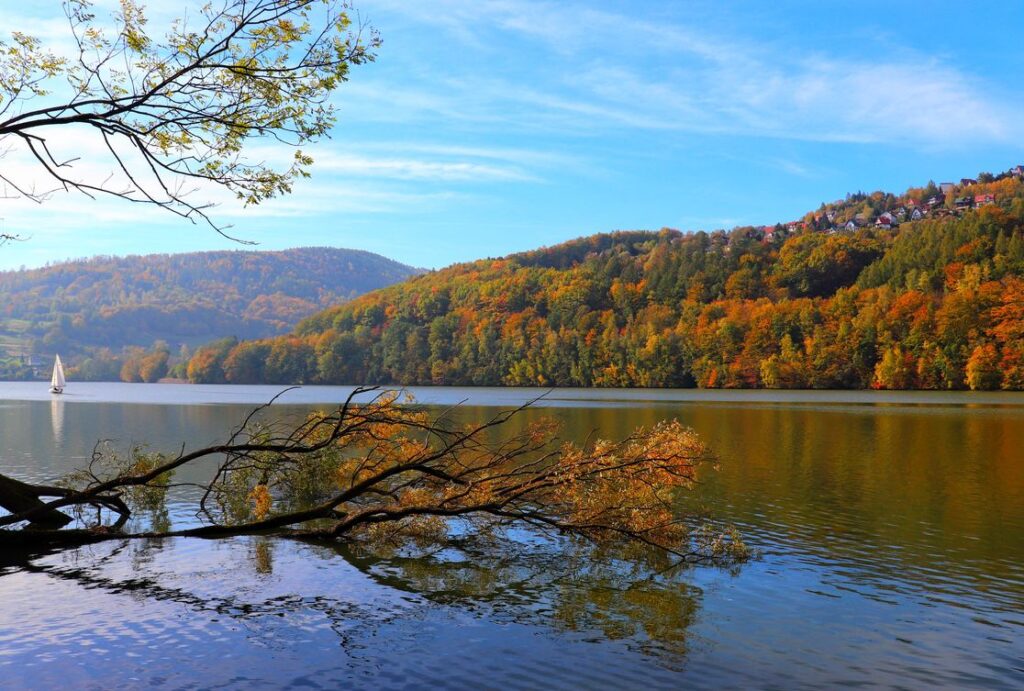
x=889, y=527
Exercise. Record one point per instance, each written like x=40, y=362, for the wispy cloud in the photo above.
x=420, y=169
x=603, y=70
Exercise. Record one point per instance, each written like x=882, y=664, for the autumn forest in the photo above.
x=933, y=303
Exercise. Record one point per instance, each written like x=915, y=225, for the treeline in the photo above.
x=80, y=307
x=133, y=364
x=932, y=304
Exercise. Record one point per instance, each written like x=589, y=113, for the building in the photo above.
x=964, y=182
x=946, y=187
x=984, y=199
x=886, y=221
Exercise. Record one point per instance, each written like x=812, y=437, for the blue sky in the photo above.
x=487, y=127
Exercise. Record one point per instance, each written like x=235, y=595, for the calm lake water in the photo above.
x=890, y=528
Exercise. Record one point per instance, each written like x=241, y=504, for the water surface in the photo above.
x=890, y=527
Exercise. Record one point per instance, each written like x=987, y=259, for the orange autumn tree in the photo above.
x=1008, y=331
x=383, y=472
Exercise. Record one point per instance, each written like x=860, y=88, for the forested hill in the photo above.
x=919, y=290
x=114, y=302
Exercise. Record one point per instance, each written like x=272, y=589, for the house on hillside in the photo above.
x=937, y=200
x=984, y=199
x=1017, y=171
x=964, y=182
x=947, y=187
x=916, y=215
x=853, y=224
x=886, y=221
x=963, y=203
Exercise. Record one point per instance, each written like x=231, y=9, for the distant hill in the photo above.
x=117, y=302
x=923, y=289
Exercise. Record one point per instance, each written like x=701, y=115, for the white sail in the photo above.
x=57, y=380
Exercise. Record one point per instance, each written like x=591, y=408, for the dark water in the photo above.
x=890, y=526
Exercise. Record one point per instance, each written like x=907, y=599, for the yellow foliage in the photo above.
x=261, y=501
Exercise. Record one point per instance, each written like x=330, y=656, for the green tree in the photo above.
x=895, y=370
x=290, y=361
x=245, y=363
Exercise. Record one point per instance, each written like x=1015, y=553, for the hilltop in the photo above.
x=876, y=290
x=101, y=306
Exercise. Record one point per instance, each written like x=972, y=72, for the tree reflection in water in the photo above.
x=562, y=586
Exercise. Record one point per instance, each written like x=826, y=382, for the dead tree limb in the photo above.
x=379, y=470
x=21, y=498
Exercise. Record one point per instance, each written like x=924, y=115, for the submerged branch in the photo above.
x=379, y=470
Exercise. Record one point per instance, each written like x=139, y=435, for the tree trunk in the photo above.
x=16, y=497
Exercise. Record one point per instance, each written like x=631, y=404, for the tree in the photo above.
x=894, y=370
x=154, y=365
x=207, y=365
x=381, y=471
x=983, y=371
x=130, y=366
x=178, y=112
x=245, y=363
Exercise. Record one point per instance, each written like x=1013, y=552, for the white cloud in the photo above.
x=418, y=169
x=599, y=70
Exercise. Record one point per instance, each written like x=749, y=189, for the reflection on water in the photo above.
x=179, y=611
x=57, y=420
x=891, y=539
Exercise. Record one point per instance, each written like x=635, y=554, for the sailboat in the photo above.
x=57, y=380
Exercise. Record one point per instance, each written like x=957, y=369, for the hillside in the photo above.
x=919, y=290
x=80, y=307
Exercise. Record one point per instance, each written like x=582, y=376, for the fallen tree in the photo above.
x=378, y=471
